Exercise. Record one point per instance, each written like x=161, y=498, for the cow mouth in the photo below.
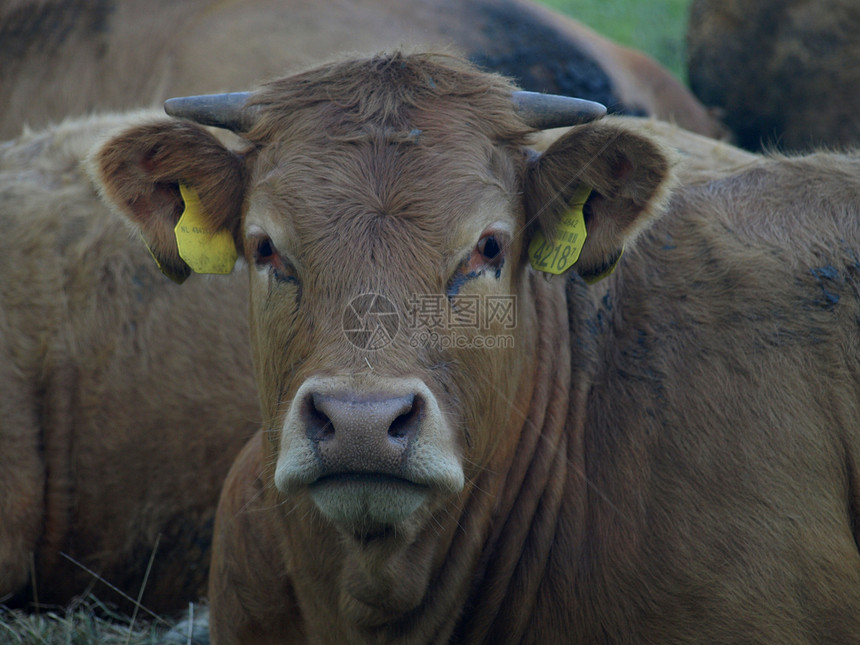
x=364, y=478
x=367, y=502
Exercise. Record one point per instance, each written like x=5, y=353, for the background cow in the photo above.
x=61, y=57
x=667, y=455
x=697, y=158
x=123, y=399
x=784, y=73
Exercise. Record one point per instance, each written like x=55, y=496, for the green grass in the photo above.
x=656, y=27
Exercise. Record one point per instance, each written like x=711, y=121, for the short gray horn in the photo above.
x=221, y=110
x=544, y=111
x=540, y=111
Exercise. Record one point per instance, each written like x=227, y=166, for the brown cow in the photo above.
x=123, y=398
x=667, y=455
x=784, y=73
x=65, y=57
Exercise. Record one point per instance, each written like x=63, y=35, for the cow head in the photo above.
x=382, y=205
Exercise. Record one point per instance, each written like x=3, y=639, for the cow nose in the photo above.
x=366, y=433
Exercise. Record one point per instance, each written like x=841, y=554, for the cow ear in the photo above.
x=148, y=172
x=626, y=177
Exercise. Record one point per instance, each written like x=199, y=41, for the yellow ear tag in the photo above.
x=202, y=250
x=562, y=251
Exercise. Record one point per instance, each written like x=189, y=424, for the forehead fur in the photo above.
x=385, y=158
x=387, y=92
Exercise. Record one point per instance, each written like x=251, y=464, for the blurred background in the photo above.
x=656, y=27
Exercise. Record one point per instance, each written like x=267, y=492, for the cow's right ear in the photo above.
x=140, y=171
x=624, y=178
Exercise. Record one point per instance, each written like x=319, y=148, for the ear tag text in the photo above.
x=560, y=253
x=202, y=250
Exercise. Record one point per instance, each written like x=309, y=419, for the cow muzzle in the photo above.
x=369, y=452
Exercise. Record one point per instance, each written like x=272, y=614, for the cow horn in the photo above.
x=221, y=110
x=544, y=111
x=540, y=111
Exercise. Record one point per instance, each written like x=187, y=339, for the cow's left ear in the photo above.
x=629, y=177
x=155, y=173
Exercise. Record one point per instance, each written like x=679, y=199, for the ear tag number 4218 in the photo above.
x=562, y=251
x=202, y=250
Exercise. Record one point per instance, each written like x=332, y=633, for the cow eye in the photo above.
x=489, y=247
x=266, y=255
x=489, y=252
x=265, y=252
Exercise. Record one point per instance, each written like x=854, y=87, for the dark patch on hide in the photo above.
x=46, y=28
x=826, y=277
x=539, y=57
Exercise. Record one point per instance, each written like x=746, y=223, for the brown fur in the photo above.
x=118, y=424
x=783, y=73
x=69, y=57
x=667, y=456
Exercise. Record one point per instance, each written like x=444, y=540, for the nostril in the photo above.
x=346, y=419
x=319, y=426
x=406, y=423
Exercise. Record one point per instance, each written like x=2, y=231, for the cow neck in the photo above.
x=519, y=511
x=58, y=437
x=490, y=552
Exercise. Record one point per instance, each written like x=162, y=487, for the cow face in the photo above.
x=384, y=208
x=366, y=415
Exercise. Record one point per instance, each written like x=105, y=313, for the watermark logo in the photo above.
x=371, y=321
x=476, y=312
